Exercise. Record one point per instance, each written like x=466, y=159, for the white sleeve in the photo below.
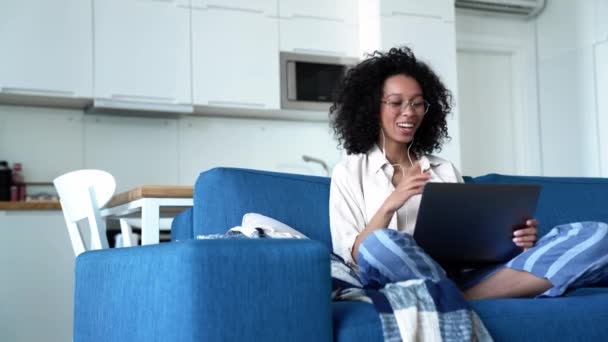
x=346, y=217
x=457, y=175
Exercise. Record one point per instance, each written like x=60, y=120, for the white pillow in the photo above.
x=270, y=226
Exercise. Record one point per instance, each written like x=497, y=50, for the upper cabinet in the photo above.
x=142, y=54
x=443, y=9
x=235, y=55
x=319, y=27
x=46, y=48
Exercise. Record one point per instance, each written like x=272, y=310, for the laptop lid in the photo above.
x=465, y=224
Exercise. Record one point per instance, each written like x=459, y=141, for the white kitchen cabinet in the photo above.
x=235, y=55
x=37, y=273
x=319, y=27
x=46, y=48
x=142, y=54
x=441, y=9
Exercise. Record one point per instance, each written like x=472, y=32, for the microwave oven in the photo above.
x=308, y=81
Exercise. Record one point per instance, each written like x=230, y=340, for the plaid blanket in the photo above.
x=412, y=310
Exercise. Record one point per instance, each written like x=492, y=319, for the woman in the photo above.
x=390, y=115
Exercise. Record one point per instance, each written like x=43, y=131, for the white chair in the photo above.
x=82, y=193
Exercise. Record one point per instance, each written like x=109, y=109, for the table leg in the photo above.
x=127, y=232
x=150, y=217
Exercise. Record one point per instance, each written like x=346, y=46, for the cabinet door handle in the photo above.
x=36, y=91
x=408, y=14
x=236, y=104
x=227, y=8
x=145, y=106
x=176, y=3
x=141, y=98
x=315, y=17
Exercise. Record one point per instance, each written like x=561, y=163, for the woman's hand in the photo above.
x=408, y=186
x=412, y=183
x=526, y=237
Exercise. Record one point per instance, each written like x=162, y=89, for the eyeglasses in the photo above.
x=420, y=107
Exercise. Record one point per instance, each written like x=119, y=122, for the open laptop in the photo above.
x=469, y=224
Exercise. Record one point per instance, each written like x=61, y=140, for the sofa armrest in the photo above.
x=181, y=227
x=205, y=290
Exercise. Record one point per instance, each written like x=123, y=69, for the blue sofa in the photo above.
x=279, y=290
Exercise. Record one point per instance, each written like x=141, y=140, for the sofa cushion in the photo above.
x=577, y=317
x=562, y=199
x=542, y=319
x=356, y=321
x=223, y=195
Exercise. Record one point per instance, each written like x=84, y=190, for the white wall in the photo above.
x=139, y=150
x=572, y=76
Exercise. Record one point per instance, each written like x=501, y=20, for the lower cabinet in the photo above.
x=37, y=277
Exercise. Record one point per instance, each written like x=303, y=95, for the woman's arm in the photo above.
x=346, y=211
x=412, y=184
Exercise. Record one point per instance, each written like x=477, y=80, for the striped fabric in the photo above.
x=415, y=299
x=569, y=256
x=387, y=256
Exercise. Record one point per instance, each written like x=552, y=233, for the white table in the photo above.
x=150, y=202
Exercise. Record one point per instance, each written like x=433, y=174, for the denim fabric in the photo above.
x=573, y=318
x=356, y=321
x=222, y=196
x=228, y=290
x=562, y=200
x=181, y=227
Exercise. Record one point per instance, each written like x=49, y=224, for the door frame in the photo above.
x=601, y=110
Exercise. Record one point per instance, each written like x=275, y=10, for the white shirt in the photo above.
x=360, y=183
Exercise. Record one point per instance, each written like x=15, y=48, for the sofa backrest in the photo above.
x=223, y=195
x=562, y=199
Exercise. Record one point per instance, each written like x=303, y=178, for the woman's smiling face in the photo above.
x=402, y=109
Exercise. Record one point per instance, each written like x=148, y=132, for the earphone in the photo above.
x=408, y=153
x=400, y=167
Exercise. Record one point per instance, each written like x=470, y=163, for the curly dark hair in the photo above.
x=355, y=113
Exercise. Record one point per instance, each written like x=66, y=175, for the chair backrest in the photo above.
x=81, y=194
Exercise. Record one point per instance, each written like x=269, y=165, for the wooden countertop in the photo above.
x=146, y=191
x=33, y=205
x=151, y=191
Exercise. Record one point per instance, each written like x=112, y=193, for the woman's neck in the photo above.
x=397, y=153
